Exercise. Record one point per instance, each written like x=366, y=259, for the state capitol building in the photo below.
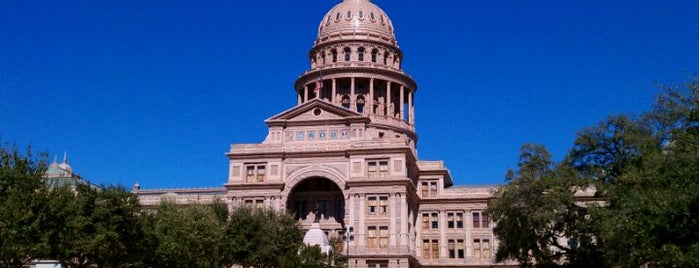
x=345, y=158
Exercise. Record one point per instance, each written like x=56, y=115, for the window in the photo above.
x=311, y=135
x=377, y=264
x=430, y=220
x=372, y=205
x=300, y=135
x=254, y=203
x=371, y=237
x=333, y=134
x=254, y=173
x=360, y=54
x=455, y=220
x=334, y=52
x=383, y=205
x=373, y=55
x=321, y=135
x=377, y=236
x=428, y=188
x=481, y=248
x=383, y=236
x=430, y=249
x=377, y=205
x=348, y=52
x=377, y=168
x=480, y=220
x=456, y=248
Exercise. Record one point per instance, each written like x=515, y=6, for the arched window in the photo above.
x=360, y=104
x=373, y=55
x=360, y=54
x=348, y=52
x=334, y=55
x=337, y=16
x=385, y=58
x=321, y=55
x=346, y=101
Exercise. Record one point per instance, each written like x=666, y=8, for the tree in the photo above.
x=652, y=215
x=263, y=237
x=646, y=169
x=191, y=236
x=20, y=203
x=104, y=231
x=539, y=222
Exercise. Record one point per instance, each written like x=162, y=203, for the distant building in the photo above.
x=346, y=157
x=62, y=174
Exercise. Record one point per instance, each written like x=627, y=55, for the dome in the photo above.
x=356, y=17
x=316, y=236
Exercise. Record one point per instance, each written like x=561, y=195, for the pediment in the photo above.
x=314, y=111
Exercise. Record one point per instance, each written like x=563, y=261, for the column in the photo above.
x=388, y=111
x=411, y=111
x=353, y=98
x=400, y=102
x=334, y=91
x=393, y=210
x=350, y=217
x=305, y=93
x=370, y=103
x=361, y=229
x=443, y=254
x=298, y=95
x=404, y=220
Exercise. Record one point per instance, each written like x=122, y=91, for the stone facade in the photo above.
x=346, y=157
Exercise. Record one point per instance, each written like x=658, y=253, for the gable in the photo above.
x=314, y=111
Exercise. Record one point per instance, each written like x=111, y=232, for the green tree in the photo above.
x=263, y=238
x=539, y=222
x=652, y=215
x=20, y=206
x=104, y=231
x=189, y=236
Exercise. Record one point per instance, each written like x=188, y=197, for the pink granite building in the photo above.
x=346, y=157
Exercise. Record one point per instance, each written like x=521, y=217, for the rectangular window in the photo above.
x=425, y=249
x=300, y=136
x=476, y=220
x=430, y=220
x=481, y=248
x=372, y=205
x=333, y=134
x=377, y=264
x=435, y=249
x=377, y=168
x=371, y=237
x=435, y=220
x=428, y=188
x=460, y=248
x=455, y=220
x=255, y=173
x=480, y=220
x=383, y=236
x=321, y=135
x=383, y=205
x=311, y=135
x=451, y=246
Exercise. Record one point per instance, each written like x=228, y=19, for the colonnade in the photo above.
x=390, y=99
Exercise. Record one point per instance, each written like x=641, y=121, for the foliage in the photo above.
x=646, y=170
x=539, y=220
x=263, y=237
x=20, y=206
x=104, y=229
x=190, y=236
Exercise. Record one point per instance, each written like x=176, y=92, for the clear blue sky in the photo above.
x=156, y=91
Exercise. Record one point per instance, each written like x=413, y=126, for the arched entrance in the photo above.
x=318, y=199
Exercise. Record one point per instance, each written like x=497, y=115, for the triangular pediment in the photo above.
x=313, y=111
